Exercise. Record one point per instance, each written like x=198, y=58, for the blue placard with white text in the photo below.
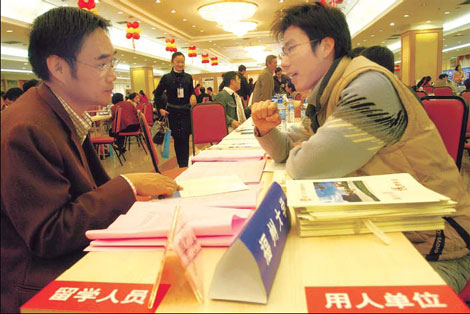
x=247, y=269
x=266, y=233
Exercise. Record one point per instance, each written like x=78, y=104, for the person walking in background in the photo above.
x=252, y=85
x=459, y=75
x=244, y=91
x=264, y=87
x=180, y=92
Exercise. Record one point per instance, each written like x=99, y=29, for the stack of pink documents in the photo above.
x=216, y=220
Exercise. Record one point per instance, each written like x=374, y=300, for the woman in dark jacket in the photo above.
x=180, y=92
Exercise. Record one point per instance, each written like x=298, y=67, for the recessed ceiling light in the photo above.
x=392, y=24
x=358, y=44
x=122, y=55
x=381, y=30
x=383, y=42
x=447, y=12
x=428, y=21
x=24, y=68
x=9, y=31
x=184, y=20
x=120, y=12
x=372, y=35
x=210, y=41
x=135, y=57
x=153, y=28
x=202, y=31
x=173, y=11
x=194, y=26
x=406, y=15
x=135, y=63
x=365, y=40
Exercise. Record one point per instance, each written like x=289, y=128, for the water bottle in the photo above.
x=303, y=108
x=282, y=113
x=290, y=110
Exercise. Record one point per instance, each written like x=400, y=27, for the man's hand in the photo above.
x=192, y=100
x=235, y=124
x=163, y=112
x=265, y=116
x=152, y=184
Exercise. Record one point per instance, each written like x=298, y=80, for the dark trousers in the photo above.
x=180, y=125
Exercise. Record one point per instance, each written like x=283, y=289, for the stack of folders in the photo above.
x=370, y=204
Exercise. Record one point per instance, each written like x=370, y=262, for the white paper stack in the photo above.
x=342, y=206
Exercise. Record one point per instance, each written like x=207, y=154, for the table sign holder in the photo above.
x=181, y=263
x=247, y=270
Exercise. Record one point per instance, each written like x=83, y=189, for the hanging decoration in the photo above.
x=397, y=68
x=133, y=31
x=171, y=45
x=205, y=58
x=88, y=5
x=192, y=53
x=331, y=3
x=214, y=61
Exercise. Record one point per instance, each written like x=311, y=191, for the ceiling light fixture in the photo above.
x=239, y=28
x=226, y=12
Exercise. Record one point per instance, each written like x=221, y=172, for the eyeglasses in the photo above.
x=287, y=51
x=103, y=68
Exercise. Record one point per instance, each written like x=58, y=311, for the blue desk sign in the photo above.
x=247, y=270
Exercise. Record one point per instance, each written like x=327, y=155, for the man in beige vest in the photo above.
x=361, y=120
x=264, y=86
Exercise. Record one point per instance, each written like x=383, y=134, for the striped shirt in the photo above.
x=81, y=123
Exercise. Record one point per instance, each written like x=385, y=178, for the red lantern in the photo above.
x=192, y=53
x=214, y=61
x=88, y=5
x=397, y=68
x=205, y=58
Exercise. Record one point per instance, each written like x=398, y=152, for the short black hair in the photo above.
x=28, y=84
x=291, y=86
x=380, y=55
x=278, y=69
x=61, y=32
x=357, y=51
x=229, y=76
x=13, y=93
x=202, y=89
x=467, y=83
x=241, y=68
x=209, y=89
x=176, y=54
x=142, y=92
x=443, y=75
x=318, y=22
x=117, y=97
x=132, y=96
